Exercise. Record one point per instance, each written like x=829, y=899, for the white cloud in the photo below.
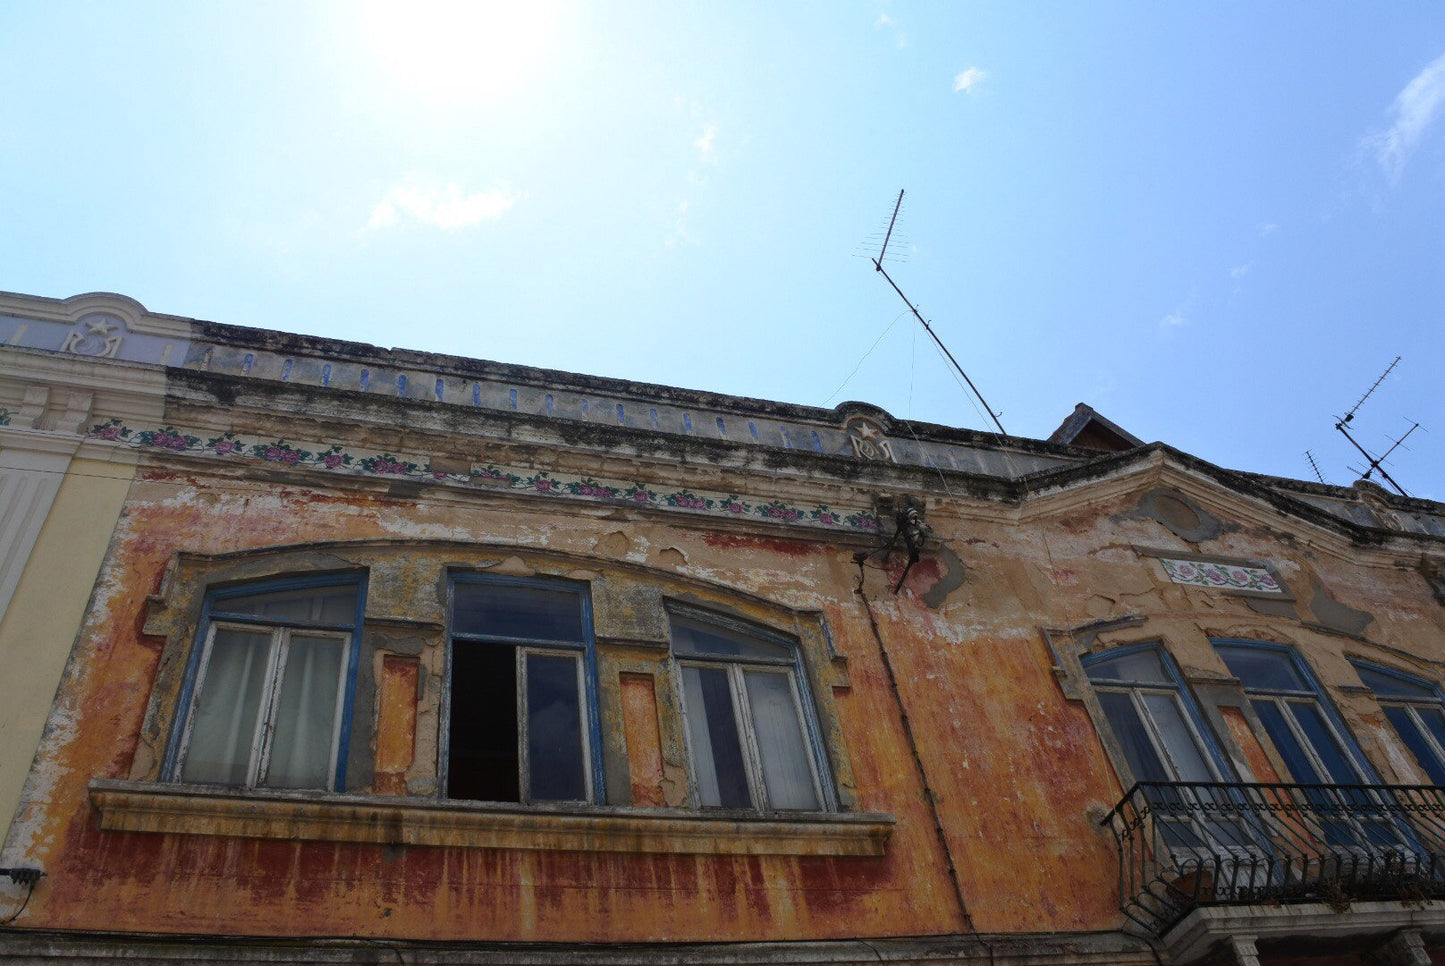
x=444, y=206
x=1239, y=271
x=1173, y=320
x=1268, y=228
x=680, y=233
x=969, y=79
x=706, y=144
x=885, y=22
x=1415, y=108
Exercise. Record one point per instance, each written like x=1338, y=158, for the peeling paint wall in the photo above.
x=1019, y=773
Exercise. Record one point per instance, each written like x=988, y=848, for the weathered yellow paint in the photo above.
x=644, y=741
x=1017, y=773
x=44, y=615
x=395, y=723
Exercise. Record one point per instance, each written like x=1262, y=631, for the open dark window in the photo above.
x=522, y=709
x=750, y=732
x=268, y=693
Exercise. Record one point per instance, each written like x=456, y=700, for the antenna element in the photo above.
x=878, y=267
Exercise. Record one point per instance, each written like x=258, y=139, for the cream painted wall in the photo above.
x=40, y=625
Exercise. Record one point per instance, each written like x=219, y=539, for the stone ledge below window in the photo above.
x=127, y=806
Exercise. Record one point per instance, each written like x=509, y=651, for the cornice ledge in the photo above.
x=318, y=816
x=1199, y=931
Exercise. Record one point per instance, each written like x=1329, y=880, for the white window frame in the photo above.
x=524, y=718
x=736, y=668
x=259, y=761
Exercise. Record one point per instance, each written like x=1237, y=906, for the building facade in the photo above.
x=330, y=652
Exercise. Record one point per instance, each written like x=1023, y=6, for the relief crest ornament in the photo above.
x=869, y=441
x=95, y=335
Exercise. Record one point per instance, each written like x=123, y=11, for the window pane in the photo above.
x=482, y=757
x=327, y=605
x=224, y=727
x=1262, y=669
x=1414, y=740
x=306, y=714
x=1301, y=768
x=1179, y=741
x=1389, y=684
x=713, y=729
x=554, y=730
x=1141, y=667
x=516, y=612
x=1324, y=743
x=716, y=640
x=1129, y=731
x=1434, y=723
x=781, y=745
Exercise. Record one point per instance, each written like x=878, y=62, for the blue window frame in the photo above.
x=521, y=717
x=1312, y=739
x=750, y=725
x=1304, y=726
x=1416, y=710
x=1153, y=717
x=268, y=694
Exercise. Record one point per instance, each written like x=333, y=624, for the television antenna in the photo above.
x=878, y=267
x=1315, y=466
x=1375, y=462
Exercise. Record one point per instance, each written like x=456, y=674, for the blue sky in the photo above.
x=1216, y=223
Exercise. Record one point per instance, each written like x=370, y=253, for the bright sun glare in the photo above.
x=452, y=51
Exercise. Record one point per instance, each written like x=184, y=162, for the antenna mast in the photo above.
x=1374, y=462
x=878, y=267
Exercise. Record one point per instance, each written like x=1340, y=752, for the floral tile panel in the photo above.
x=1224, y=576
x=336, y=459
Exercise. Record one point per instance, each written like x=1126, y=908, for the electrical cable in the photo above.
x=29, y=891
x=886, y=330
x=928, y=793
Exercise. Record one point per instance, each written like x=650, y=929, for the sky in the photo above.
x=1216, y=223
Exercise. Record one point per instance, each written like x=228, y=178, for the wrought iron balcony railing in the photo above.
x=1185, y=844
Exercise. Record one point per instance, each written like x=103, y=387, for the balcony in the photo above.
x=1186, y=845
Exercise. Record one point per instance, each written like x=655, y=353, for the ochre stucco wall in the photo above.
x=1019, y=775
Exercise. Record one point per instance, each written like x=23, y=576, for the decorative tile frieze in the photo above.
x=1224, y=576
x=337, y=459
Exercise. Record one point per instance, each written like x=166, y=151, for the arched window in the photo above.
x=1415, y=709
x=751, y=733
x=269, y=689
x=1152, y=717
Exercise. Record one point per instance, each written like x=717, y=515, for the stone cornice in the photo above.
x=315, y=816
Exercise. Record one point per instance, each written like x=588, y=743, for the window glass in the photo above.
x=1389, y=684
x=521, y=699
x=1415, y=740
x=1140, y=667
x=227, y=711
x=320, y=605
x=717, y=754
x=747, y=728
x=786, y=774
x=554, y=729
x=1415, y=710
x=716, y=640
x=267, y=705
x=1325, y=744
x=1133, y=737
x=516, y=612
x=1260, y=668
x=307, y=718
x=1178, y=738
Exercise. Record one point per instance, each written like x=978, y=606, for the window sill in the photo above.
x=324, y=817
